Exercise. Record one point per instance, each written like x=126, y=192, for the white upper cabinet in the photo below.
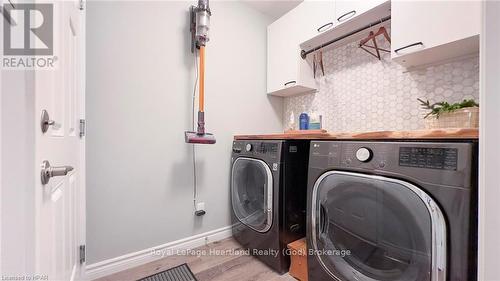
x=354, y=16
x=425, y=32
x=287, y=73
x=314, y=17
x=346, y=10
x=281, y=56
x=422, y=32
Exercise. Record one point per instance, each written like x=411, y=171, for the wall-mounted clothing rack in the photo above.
x=304, y=53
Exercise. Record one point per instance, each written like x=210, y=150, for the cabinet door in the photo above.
x=314, y=17
x=287, y=72
x=346, y=10
x=282, y=54
x=418, y=25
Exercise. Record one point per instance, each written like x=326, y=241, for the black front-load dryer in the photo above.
x=387, y=211
x=268, y=197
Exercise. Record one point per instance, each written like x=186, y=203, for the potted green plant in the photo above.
x=463, y=114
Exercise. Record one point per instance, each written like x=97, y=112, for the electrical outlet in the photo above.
x=200, y=206
x=200, y=209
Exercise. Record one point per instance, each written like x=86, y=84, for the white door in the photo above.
x=60, y=203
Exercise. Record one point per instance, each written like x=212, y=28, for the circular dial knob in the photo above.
x=364, y=154
x=248, y=147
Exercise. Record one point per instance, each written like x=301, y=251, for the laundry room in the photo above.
x=262, y=140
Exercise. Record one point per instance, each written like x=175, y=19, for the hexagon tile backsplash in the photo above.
x=361, y=93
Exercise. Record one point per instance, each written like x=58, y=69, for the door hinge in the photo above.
x=82, y=5
x=82, y=128
x=82, y=254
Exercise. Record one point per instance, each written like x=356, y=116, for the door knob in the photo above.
x=45, y=121
x=49, y=171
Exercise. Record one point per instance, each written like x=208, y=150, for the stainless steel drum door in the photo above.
x=252, y=193
x=368, y=228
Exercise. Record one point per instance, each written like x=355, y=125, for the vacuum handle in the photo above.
x=202, y=79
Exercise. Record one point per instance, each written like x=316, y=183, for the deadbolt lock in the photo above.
x=49, y=171
x=45, y=121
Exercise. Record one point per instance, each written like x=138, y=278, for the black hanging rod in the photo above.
x=304, y=53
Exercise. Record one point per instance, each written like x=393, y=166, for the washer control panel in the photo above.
x=256, y=149
x=249, y=147
x=436, y=162
x=351, y=154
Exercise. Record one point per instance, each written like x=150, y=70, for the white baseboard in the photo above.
x=110, y=266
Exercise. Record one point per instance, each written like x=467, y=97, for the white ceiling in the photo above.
x=273, y=8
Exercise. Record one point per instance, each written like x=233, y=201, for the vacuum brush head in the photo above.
x=195, y=138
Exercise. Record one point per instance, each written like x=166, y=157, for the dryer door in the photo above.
x=371, y=228
x=252, y=193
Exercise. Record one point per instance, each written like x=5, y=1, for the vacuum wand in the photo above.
x=201, y=105
x=200, y=23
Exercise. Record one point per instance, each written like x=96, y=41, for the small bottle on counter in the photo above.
x=291, y=122
x=315, y=120
x=304, y=120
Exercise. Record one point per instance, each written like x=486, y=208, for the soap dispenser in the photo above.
x=304, y=119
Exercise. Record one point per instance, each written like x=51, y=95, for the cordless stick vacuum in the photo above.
x=200, y=23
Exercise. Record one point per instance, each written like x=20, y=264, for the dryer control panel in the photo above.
x=428, y=157
x=256, y=148
x=446, y=163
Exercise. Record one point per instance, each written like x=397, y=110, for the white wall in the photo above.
x=16, y=170
x=489, y=150
x=139, y=87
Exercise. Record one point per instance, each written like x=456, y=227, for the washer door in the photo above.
x=252, y=193
x=370, y=228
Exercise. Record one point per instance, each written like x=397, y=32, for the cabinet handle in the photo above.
x=346, y=16
x=325, y=27
x=290, y=82
x=411, y=45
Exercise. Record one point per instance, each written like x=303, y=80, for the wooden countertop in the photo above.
x=440, y=134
